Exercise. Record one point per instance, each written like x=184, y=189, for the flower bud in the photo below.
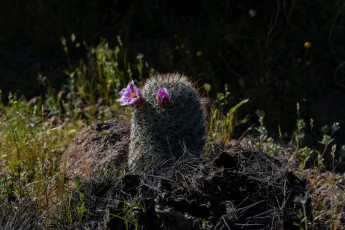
x=163, y=97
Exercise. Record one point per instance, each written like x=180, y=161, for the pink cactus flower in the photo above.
x=130, y=95
x=163, y=97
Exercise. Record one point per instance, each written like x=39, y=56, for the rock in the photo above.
x=95, y=148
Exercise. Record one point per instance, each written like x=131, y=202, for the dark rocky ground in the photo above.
x=235, y=190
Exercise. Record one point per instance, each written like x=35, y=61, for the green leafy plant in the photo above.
x=303, y=222
x=327, y=139
x=80, y=208
x=299, y=134
x=306, y=155
x=104, y=73
x=265, y=143
x=130, y=213
x=222, y=125
x=30, y=148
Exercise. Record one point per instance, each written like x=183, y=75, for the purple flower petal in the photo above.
x=163, y=97
x=130, y=95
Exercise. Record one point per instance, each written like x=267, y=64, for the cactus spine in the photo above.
x=161, y=135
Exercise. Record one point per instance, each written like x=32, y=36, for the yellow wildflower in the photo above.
x=15, y=102
x=182, y=46
x=0, y=91
x=188, y=52
x=199, y=53
x=307, y=45
x=177, y=47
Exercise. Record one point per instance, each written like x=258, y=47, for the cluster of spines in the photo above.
x=159, y=135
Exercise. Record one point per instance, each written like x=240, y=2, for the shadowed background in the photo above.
x=255, y=47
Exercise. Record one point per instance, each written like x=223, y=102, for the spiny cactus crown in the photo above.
x=163, y=134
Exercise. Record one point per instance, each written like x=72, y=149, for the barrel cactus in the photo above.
x=167, y=123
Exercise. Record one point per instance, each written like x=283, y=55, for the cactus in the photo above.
x=160, y=135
